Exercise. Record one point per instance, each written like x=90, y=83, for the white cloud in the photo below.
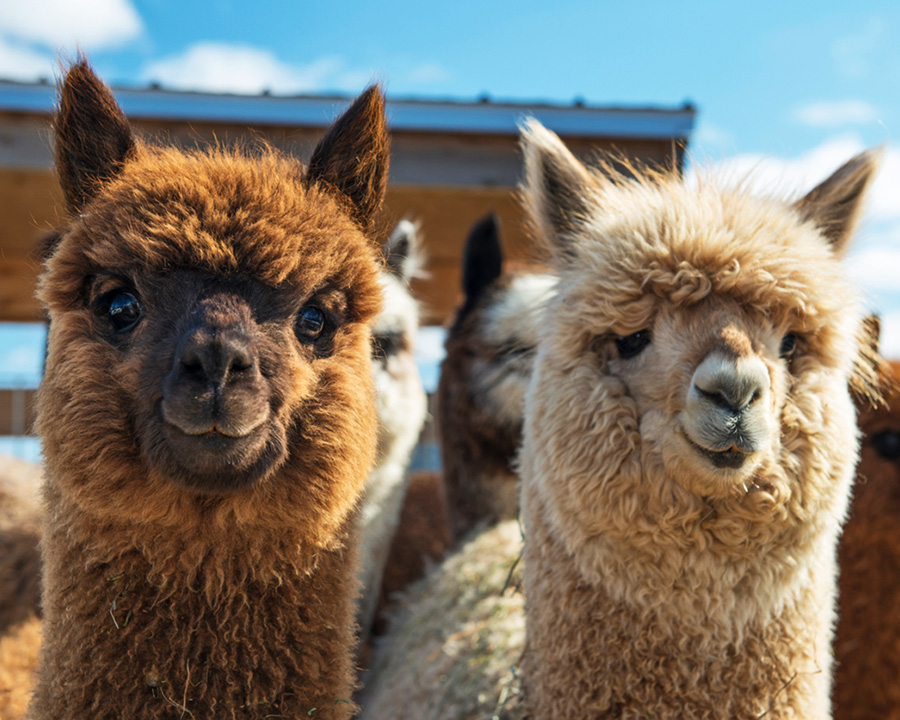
x=856, y=55
x=836, y=114
x=428, y=74
x=69, y=24
x=18, y=62
x=243, y=69
x=889, y=344
x=711, y=140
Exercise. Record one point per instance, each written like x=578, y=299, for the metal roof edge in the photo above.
x=414, y=115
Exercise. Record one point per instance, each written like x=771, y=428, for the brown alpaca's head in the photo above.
x=209, y=312
x=697, y=355
x=490, y=352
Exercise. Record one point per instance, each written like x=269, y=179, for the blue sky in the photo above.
x=787, y=90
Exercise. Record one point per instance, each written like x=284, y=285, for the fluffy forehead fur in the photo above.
x=655, y=240
x=224, y=212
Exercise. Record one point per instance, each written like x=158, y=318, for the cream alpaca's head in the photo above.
x=697, y=354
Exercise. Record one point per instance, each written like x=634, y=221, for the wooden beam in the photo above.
x=17, y=412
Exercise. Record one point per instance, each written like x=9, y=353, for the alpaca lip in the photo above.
x=731, y=458
x=218, y=462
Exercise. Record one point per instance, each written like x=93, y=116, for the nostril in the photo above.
x=718, y=398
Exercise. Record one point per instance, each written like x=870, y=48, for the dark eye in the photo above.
x=124, y=311
x=631, y=345
x=887, y=444
x=386, y=344
x=788, y=345
x=310, y=322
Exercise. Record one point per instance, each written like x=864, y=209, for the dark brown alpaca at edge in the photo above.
x=867, y=641
x=207, y=417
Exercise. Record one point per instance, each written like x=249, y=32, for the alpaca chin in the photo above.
x=214, y=463
x=707, y=473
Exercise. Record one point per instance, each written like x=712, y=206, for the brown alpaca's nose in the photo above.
x=215, y=383
x=216, y=355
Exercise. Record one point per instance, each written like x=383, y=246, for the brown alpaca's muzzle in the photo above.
x=217, y=425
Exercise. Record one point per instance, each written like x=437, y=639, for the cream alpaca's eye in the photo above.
x=631, y=345
x=124, y=311
x=310, y=322
x=788, y=345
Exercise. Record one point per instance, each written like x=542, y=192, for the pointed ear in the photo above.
x=354, y=154
x=483, y=258
x=559, y=193
x=93, y=138
x=834, y=206
x=403, y=252
x=870, y=381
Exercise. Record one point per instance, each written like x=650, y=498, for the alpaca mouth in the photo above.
x=214, y=461
x=731, y=458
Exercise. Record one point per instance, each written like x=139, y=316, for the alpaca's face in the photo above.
x=506, y=329
x=209, y=320
x=709, y=385
x=695, y=360
x=217, y=372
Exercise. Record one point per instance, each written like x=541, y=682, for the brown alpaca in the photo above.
x=689, y=444
x=490, y=350
x=867, y=641
x=208, y=419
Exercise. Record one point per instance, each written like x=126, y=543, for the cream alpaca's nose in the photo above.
x=731, y=384
x=726, y=404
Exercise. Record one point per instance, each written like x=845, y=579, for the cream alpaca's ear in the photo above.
x=559, y=193
x=834, y=205
x=353, y=156
x=93, y=138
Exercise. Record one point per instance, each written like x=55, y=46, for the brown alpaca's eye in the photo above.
x=788, y=345
x=310, y=323
x=124, y=311
x=631, y=345
x=887, y=444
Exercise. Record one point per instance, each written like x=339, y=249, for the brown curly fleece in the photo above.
x=664, y=578
x=204, y=463
x=867, y=641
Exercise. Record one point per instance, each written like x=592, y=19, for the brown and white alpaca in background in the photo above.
x=867, y=639
x=689, y=443
x=208, y=419
x=490, y=350
x=402, y=405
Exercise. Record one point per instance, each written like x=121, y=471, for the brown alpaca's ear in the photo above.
x=353, y=156
x=93, y=138
x=870, y=381
x=834, y=205
x=559, y=193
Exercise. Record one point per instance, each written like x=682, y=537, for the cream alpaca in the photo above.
x=689, y=444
